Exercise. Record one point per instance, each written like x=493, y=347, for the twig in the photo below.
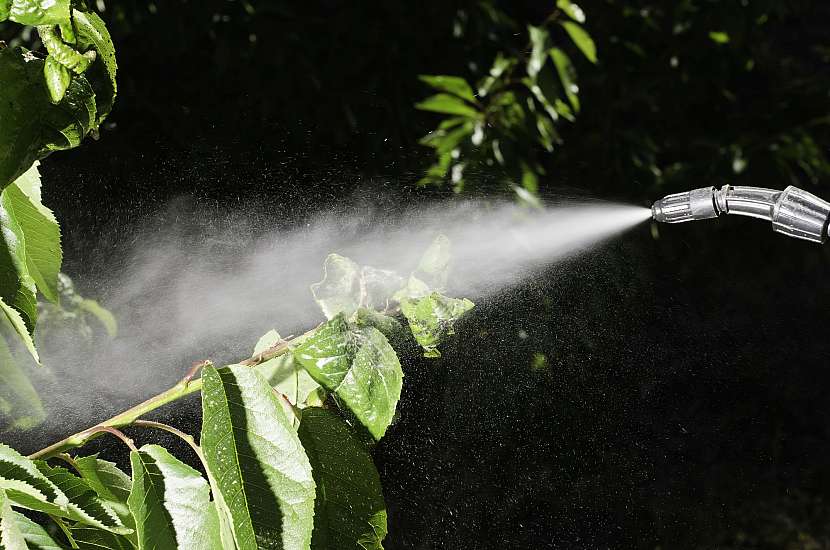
x=184, y=387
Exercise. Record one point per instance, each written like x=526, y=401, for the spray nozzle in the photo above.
x=793, y=211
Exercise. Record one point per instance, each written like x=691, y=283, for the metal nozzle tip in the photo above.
x=657, y=211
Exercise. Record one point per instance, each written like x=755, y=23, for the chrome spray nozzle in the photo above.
x=793, y=211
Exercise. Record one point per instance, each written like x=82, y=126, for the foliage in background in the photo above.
x=509, y=117
x=285, y=441
x=46, y=105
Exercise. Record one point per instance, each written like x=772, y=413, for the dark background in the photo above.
x=684, y=400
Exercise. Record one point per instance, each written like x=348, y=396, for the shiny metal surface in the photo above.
x=793, y=212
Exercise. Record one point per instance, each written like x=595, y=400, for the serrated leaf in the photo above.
x=349, y=512
x=339, y=291
x=30, y=125
x=539, y=38
x=567, y=75
x=170, y=502
x=582, y=40
x=85, y=506
x=256, y=461
x=454, y=85
x=20, y=405
x=27, y=486
x=359, y=366
x=572, y=10
x=11, y=537
x=414, y=288
x=89, y=538
x=35, y=536
x=283, y=373
x=39, y=12
x=431, y=318
x=92, y=33
x=447, y=104
x=110, y=484
x=30, y=235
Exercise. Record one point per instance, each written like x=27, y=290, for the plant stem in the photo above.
x=184, y=387
x=187, y=438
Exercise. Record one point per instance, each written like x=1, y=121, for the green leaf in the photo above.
x=454, y=85
x=57, y=78
x=349, y=512
x=89, y=538
x=389, y=326
x=39, y=12
x=339, y=291
x=85, y=506
x=27, y=486
x=539, y=39
x=170, y=502
x=30, y=234
x=283, y=373
x=567, y=75
x=36, y=537
x=104, y=316
x=92, y=33
x=448, y=104
x=63, y=53
x=582, y=40
x=256, y=461
x=20, y=405
x=572, y=10
x=414, y=288
x=359, y=366
x=719, y=37
x=30, y=125
x=110, y=484
x=431, y=318
x=501, y=66
x=10, y=319
x=11, y=536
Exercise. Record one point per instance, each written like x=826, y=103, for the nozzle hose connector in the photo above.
x=793, y=211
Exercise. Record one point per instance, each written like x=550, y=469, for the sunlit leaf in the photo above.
x=36, y=537
x=359, y=366
x=572, y=10
x=26, y=485
x=170, y=502
x=431, y=318
x=283, y=373
x=539, y=39
x=448, y=104
x=89, y=538
x=104, y=316
x=256, y=461
x=567, y=75
x=84, y=505
x=11, y=320
x=37, y=12
x=378, y=286
x=92, y=33
x=57, y=78
x=110, y=484
x=582, y=40
x=11, y=536
x=454, y=85
x=349, y=512
x=433, y=269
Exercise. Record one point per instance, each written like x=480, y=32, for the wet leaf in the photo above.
x=256, y=463
x=110, y=484
x=11, y=536
x=433, y=269
x=57, y=78
x=349, y=512
x=36, y=537
x=10, y=319
x=539, y=39
x=92, y=33
x=170, y=502
x=37, y=12
x=283, y=373
x=431, y=318
x=339, y=291
x=567, y=75
x=572, y=10
x=359, y=366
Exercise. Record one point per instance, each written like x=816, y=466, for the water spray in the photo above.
x=793, y=211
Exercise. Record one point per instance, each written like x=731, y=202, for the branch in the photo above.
x=187, y=385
